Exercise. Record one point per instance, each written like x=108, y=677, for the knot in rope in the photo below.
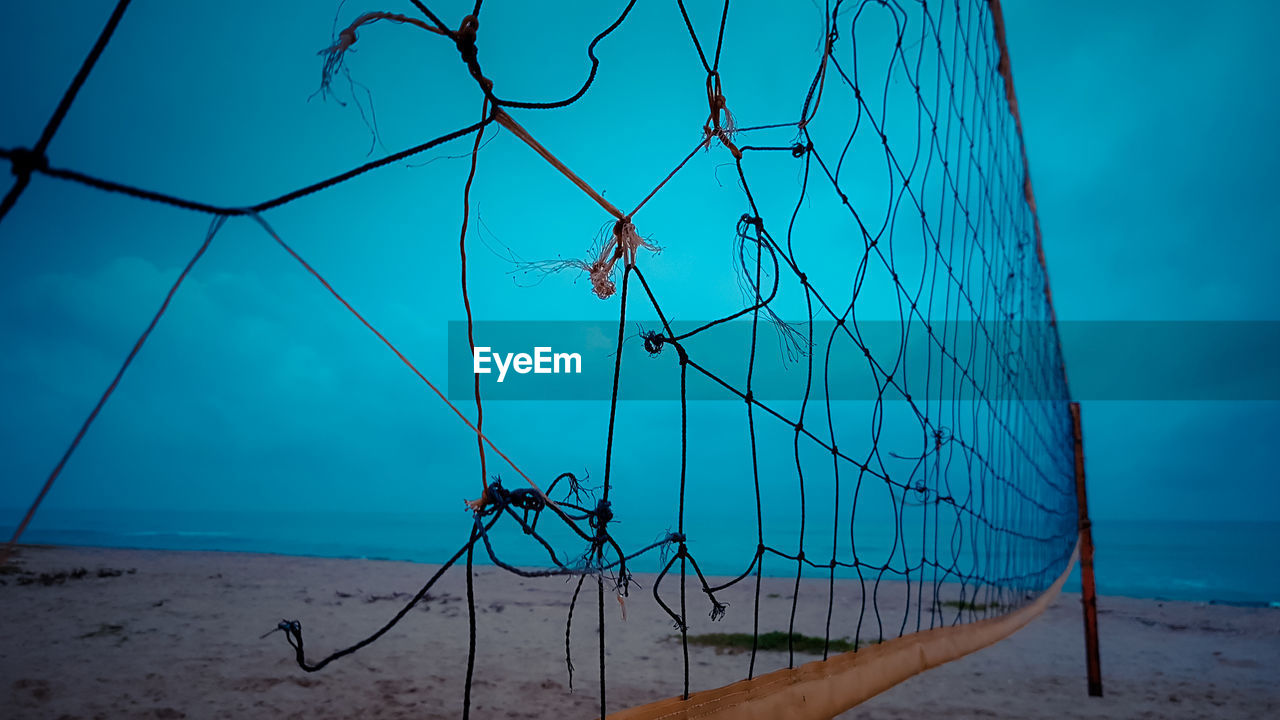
x=24, y=161
x=525, y=499
x=717, y=106
x=333, y=55
x=496, y=498
x=623, y=245
x=288, y=627
x=465, y=38
x=652, y=342
x=941, y=436
x=599, y=520
x=346, y=38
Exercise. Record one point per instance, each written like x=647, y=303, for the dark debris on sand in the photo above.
x=28, y=577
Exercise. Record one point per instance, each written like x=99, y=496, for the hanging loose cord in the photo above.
x=989, y=482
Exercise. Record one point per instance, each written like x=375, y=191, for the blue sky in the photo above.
x=1151, y=146
x=1150, y=140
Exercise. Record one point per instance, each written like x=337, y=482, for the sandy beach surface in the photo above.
x=151, y=634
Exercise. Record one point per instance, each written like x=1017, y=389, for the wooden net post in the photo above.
x=1088, y=591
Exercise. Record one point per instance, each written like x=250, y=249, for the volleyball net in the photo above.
x=831, y=352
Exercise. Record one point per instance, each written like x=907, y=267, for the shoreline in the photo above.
x=482, y=560
x=180, y=637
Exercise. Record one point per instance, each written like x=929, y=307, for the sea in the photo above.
x=1217, y=562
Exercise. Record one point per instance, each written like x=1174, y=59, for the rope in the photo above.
x=507, y=122
x=306, y=266
x=991, y=482
x=34, y=159
x=214, y=227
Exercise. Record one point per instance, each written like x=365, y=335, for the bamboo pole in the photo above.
x=825, y=688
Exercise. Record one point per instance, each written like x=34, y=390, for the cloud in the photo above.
x=245, y=381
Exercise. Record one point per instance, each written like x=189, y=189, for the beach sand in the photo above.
x=151, y=634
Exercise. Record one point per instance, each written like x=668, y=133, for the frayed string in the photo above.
x=720, y=124
x=335, y=53
x=624, y=243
